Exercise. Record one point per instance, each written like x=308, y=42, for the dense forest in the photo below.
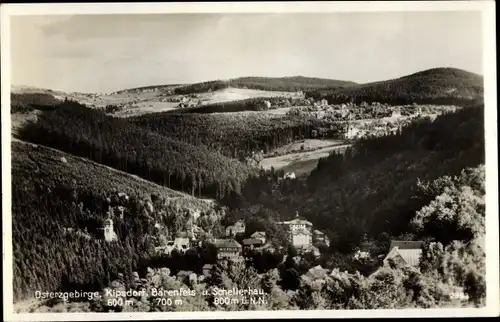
x=62, y=200
x=452, y=265
x=441, y=86
x=26, y=102
x=283, y=84
x=250, y=104
x=372, y=188
x=90, y=133
x=237, y=135
x=425, y=182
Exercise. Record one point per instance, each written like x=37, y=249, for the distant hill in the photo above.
x=149, y=88
x=433, y=86
x=292, y=84
x=285, y=84
x=24, y=102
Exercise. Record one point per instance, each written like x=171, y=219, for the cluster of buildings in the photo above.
x=302, y=235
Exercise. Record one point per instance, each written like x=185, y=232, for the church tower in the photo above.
x=109, y=233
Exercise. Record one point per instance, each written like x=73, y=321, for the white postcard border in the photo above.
x=489, y=64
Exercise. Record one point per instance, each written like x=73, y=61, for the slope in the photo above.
x=433, y=86
x=59, y=199
x=90, y=133
x=233, y=134
x=286, y=84
x=372, y=188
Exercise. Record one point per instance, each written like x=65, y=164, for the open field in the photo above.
x=307, y=145
x=236, y=94
x=300, y=161
x=146, y=107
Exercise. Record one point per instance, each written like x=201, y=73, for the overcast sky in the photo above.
x=104, y=53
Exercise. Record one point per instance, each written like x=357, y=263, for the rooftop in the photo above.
x=411, y=256
x=317, y=272
x=406, y=244
x=184, y=273
x=259, y=233
x=226, y=243
x=251, y=241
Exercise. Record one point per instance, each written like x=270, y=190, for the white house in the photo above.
x=300, y=232
x=289, y=175
x=404, y=252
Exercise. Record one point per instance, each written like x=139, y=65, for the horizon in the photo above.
x=63, y=53
x=219, y=79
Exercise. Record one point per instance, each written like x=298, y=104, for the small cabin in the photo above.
x=260, y=235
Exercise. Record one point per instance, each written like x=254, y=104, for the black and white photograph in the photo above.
x=283, y=159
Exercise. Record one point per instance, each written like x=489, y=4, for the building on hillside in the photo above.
x=289, y=175
x=251, y=243
x=228, y=249
x=267, y=248
x=236, y=228
x=404, y=252
x=319, y=236
x=299, y=232
x=109, y=233
x=182, y=241
x=301, y=240
x=316, y=273
x=362, y=252
x=259, y=235
x=313, y=251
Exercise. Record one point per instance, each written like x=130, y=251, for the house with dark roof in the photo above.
x=251, y=243
x=259, y=235
x=404, y=252
x=319, y=236
x=227, y=249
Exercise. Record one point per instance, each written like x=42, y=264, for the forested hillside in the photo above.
x=90, y=133
x=58, y=199
x=434, y=86
x=286, y=84
x=26, y=102
x=373, y=188
x=237, y=135
x=250, y=104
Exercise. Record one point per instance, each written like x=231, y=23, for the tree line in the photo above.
x=90, y=133
x=237, y=136
x=372, y=188
x=441, y=86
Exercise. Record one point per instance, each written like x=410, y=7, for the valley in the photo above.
x=272, y=183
